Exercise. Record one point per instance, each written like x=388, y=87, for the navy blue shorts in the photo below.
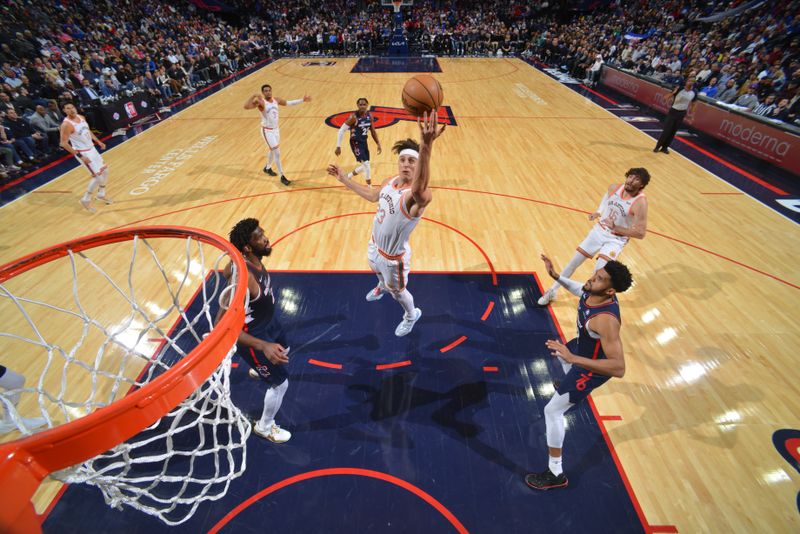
x=579, y=382
x=273, y=332
x=360, y=150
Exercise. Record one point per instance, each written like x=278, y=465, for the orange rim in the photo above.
x=26, y=461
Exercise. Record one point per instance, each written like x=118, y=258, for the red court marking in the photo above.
x=733, y=167
x=454, y=344
x=342, y=471
x=489, y=309
x=468, y=238
x=490, y=369
x=319, y=363
x=392, y=365
x=490, y=193
x=234, y=365
x=740, y=264
x=611, y=417
x=599, y=419
x=595, y=93
x=662, y=528
x=732, y=193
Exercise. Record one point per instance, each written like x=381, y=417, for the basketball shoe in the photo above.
x=375, y=294
x=405, y=326
x=275, y=433
x=547, y=297
x=269, y=171
x=546, y=480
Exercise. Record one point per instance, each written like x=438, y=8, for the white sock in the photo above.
x=406, y=300
x=367, y=171
x=358, y=169
x=269, y=160
x=569, y=268
x=277, y=153
x=555, y=465
x=93, y=183
x=101, y=192
x=272, y=403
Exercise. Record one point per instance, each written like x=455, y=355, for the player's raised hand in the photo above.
x=593, y=216
x=427, y=126
x=548, y=264
x=337, y=172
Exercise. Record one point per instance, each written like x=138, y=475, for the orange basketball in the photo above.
x=422, y=93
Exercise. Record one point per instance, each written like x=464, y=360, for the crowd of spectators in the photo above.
x=90, y=52
x=749, y=61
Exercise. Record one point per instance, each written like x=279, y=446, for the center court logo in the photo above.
x=386, y=116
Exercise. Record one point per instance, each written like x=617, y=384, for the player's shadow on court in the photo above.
x=394, y=411
x=675, y=404
x=676, y=279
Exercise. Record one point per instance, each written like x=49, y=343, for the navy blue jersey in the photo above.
x=579, y=382
x=586, y=345
x=361, y=130
x=262, y=306
x=358, y=137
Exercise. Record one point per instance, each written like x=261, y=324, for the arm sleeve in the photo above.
x=340, y=135
x=576, y=288
x=294, y=102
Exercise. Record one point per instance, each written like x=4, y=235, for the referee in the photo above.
x=681, y=100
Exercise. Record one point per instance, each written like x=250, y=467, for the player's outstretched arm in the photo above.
x=428, y=134
x=576, y=288
x=365, y=192
x=282, y=102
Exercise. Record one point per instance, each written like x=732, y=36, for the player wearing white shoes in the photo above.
x=401, y=200
x=12, y=384
x=621, y=215
x=268, y=106
x=77, y=139
x=360, y=123
x=262, y=342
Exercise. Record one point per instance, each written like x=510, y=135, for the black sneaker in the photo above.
x=269, y=171
x=285, y=181
x=546, y=480
x=665, y=150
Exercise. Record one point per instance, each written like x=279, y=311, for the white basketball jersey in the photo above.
x=269, y=117
x=81, y=136
x=618, y=209
x=392, y=225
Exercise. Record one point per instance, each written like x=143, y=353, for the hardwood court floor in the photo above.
x=710, y=328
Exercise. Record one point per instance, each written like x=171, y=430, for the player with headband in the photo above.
x=401, y=199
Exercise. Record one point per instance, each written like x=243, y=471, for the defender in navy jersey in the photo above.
x=589, y=360
x=360, y=123
x=262, y=342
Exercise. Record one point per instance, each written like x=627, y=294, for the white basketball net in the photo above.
x=117, y=325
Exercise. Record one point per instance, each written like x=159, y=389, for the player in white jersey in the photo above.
x=77, y=138
x=267, y=105
x=621, y=215
x=401, y=202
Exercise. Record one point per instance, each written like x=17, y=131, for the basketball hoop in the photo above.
x=177, y=382
x=397, y=5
